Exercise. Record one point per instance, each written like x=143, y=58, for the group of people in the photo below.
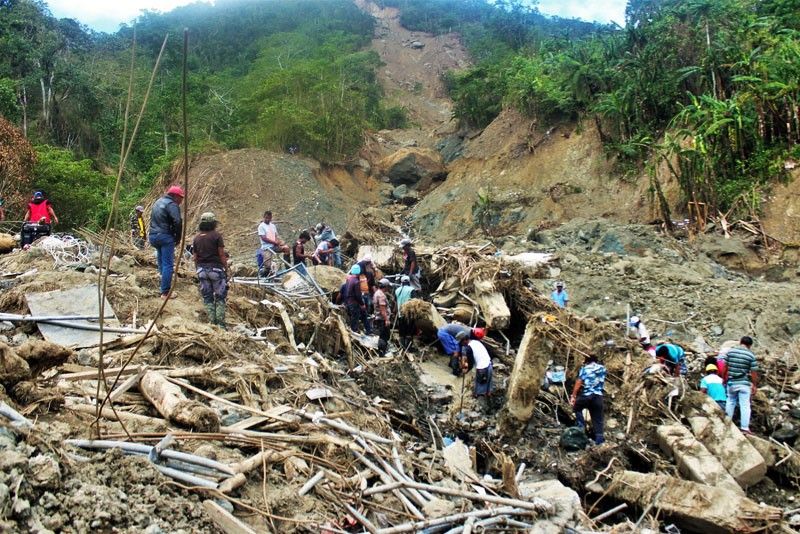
x=731, y=374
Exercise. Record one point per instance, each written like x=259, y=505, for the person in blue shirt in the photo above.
x=559, y=295
x=713, y=386
x=673, y=356
x=588, y=394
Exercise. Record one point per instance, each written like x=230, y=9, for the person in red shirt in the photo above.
x=40, y=210
x=38, y=219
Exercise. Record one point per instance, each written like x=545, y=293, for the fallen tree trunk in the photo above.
x=171, y=403
x=695, y=507
x=530, y=365
x=493, y=306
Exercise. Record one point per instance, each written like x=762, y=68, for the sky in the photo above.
x=107, y=16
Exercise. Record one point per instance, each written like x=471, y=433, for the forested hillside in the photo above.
x=709, y=87
x=261, y=73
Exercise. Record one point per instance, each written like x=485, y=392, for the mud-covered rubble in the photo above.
x=313, y=428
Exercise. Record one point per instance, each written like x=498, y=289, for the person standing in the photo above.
x=351, y=298
x=742, y=380
x=559, y=295
x=211, y=262
x=166, y=227
x=299, y=248
x=588, y=394
x=270, y=243
x=712, y=385
x=383, y=314
x=475, y=355
x=410, y=265
x=405, y=327
x=138, y=232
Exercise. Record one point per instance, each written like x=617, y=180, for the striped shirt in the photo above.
x=740, y=363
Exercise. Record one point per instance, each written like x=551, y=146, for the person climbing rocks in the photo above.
x=474, y=354
x=559, y=295
x=742, y=380
x=448, y=337
x=270, y=244
x=350, y=295
x=588, y=394
x=383, y=314
x=325, y=233
x=673, y=357
x=711, y=384
x=38, y=220
x=325, y=253
x=642, y=334
x=138, y=230
x=410, y=265
x=211, y=262
x=405, y=326
x=299, y=248
x=166, y=227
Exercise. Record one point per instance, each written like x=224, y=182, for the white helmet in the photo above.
x=405, y=279
x=635, y=320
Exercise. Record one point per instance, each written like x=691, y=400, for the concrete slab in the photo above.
x=76, y=301
x=694, y=461
x=694, y=507
x=725, y=441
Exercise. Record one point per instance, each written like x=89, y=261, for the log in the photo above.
x=695, y=507
x=224, y=520
x=7, y=243
x=171, y=403
x=493, y=306
x=530, y=365
x=131, y=381
x=108, y=413
x=694, y=461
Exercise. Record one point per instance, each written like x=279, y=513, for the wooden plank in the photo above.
x=92, y=374
x=131, y=381
x=256, y=420
x=224, y=520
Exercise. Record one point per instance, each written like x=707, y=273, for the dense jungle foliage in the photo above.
x=261, y=73
x=708, y=87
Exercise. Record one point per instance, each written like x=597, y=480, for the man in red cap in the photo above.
x=165, y=231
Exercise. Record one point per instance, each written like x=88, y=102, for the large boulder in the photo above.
x=413, y=166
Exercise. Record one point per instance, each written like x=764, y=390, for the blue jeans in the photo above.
x=739, y=394
x=165, y=257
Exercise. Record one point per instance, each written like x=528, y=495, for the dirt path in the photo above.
x=411, y=77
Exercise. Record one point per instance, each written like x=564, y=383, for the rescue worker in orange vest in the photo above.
x=38, y=219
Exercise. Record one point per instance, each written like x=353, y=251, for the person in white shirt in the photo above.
x=474, y=354
x=642, y=334
x=269, y=241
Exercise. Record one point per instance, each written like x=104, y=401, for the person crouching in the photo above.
x=211, y=262
x=474, y=354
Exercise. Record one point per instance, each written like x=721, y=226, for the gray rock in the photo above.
x=5, y=326
x=717, y=330
x=400, y=191
x=19, y=338
x=417, y=45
